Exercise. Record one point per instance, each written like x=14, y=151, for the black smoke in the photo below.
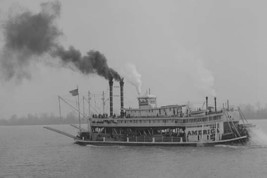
x=29, y=35
x=34, y=34
x=92, y=62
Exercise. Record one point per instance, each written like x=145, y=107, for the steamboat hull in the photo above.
x=238, y=140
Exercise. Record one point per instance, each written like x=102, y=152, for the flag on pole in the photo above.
x=74, y=92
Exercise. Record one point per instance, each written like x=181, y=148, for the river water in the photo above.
x=31, y=151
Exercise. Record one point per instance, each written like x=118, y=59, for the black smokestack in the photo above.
x=122, y=102
x=111, y=96
x=28, y=35
x=215, y=104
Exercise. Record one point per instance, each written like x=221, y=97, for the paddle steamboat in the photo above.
x=171, y=125
x=165, y=125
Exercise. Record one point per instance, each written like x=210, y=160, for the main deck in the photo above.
x=238, y=140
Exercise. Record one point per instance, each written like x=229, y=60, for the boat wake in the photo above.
x=105, y=146
x=227, y=146
x=258, y=137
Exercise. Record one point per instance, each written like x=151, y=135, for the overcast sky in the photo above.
x=184, y=50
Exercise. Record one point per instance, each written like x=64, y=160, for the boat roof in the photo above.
x=173, y=106
x=162, y=107
x=147, y=96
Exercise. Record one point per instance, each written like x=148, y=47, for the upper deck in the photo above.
x=164, y=121
x=149, y=115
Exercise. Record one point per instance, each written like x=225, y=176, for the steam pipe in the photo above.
x=111, y=97
x=215, y=104
x=207, y=104
x=122, y=98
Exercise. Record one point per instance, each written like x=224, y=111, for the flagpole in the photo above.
x=89, y=99
x=83, y=106
x=89, y=114
x=79, y=109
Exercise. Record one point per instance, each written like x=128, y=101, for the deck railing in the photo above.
x=144, y=138
x=157, y=122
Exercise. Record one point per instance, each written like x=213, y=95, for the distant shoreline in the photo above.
x=60, y=122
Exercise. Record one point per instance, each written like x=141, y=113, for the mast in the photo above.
x=89, y=99
x=79, y=109
x=103, y=100
x=89, y=113
x=83, y=105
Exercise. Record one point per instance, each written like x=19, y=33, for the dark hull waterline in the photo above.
x=237, y=140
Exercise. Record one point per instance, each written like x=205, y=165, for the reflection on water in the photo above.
x=31, y=151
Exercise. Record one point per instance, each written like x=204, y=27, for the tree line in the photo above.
x=250, y=112
x=254, y=111
x=41, y=119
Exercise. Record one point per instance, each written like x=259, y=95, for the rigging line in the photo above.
x=91, y=106
x=97, y=93
x=235, y=129
x=97, y=104
x=228, y=122
x=98, y=108
x=71, y=100
x=242, y=116
x=94, y=99
x=74, y=108
x=233, y=125
x=95, y=110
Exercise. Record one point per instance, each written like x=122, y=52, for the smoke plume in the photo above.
x=206, y=79
x=28, y=36
x=93, y=62
x=133, y=76
x=203, y=78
